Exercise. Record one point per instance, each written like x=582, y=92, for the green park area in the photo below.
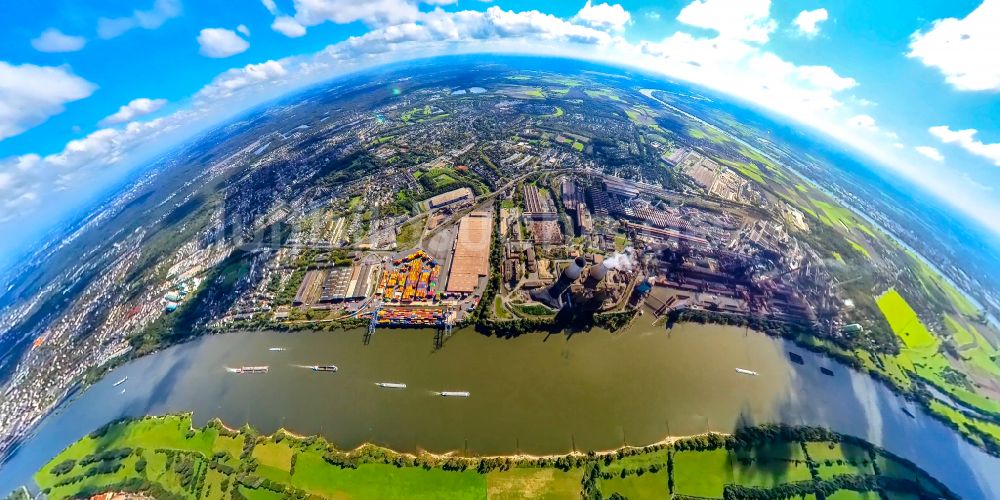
x=921, y=354
x=165, y=457
x=439, y=177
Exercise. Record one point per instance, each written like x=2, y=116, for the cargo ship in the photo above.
x=273, y=349
x=120, y=382
x=324, y=368
x=250, y=369
x=746, y=372
x=390, y=385
x=454, y=394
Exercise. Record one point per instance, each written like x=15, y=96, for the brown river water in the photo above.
x=538, y=394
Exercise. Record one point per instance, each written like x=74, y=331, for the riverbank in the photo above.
x=982, y=431
x=976, y=431
x=593, y=391
x=171, y=458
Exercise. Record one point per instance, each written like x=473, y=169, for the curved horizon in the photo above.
x=816, y=96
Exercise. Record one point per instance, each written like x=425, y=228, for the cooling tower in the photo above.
x=551, y=295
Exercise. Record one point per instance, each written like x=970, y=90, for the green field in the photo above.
x=904, y=321
x=167, y=458
x=533, y=310
x=748, y=169
x=708, y=133
x=702, y=473
x=377, y=481
x=534, y=483
x=833, y=459
x=649, y=485
x=605, y=93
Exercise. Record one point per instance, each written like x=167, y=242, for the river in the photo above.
x=535, y=394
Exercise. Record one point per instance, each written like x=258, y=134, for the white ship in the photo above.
x=390, y=385
x=746, y=372
x=454, y=394
x=277, y=349
x=249, y=369
x=120, y=382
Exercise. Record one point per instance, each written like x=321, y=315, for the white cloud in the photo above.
x=134, y=109
x=53, y=40
x=930, y=152
x=288, y=26
x=270, y=6
x=976, y=184
x=865, y=122
x=30, y=94
x=604, y=16
x=808, y=21
x=808, y=93
x=76, y=172
x=221, y=42
x=152, y=19
x=243, y=30
x=964, y=50
x=747, y=20
x=966, y=140
x=826, y=77
x=899, y=145
x=371, y=12
x=233, y=80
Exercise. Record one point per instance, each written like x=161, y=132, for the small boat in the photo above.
x=907, y=412
x=454, y=394
x=250, y=369
x=123, y=391
x=746, y=372
x=324, y=368
x=275, y=349
x=120, y=382
x=826, y=371
x=390, y=385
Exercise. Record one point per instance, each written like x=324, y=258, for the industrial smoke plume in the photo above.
x=620, y=260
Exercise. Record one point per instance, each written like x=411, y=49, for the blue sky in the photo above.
x=89, y=90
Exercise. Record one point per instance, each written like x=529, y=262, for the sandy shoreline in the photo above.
x=668, y=440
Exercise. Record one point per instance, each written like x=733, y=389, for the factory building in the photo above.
x=309, y=289
x=347, y=283
x=454, y=197
x=471, y=254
